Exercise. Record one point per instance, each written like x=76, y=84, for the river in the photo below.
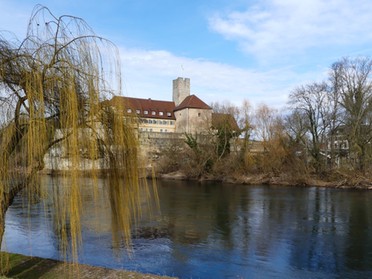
x=213, y=230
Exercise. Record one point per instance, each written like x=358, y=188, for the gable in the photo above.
x=192, y=101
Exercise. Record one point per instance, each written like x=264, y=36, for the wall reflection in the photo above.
x=207, y=229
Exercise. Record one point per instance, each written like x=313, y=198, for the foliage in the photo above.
x=53, y=86
x=200, y=156
x=170, y=158
x=352, y=81
x=225, y=125
x=313, y=102
x=335, y=113
x=327, y=127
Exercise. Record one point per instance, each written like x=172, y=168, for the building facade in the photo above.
x=186, y=113
x=159, y=124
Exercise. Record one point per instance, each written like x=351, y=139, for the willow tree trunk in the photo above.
x=10, y=193
x=6, y=202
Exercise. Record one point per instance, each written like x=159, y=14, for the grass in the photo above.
x=19, y=266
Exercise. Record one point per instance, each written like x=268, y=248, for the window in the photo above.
x=161, y=113
x=169, y=114
x=161, y=130
x=146, y=112
x=171, y=122
x=199, y=114
x=129, y=110
x=138, y=111
x=154, y=121
x=150, y=121
x=153, y=112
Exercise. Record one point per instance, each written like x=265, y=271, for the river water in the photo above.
x=210, y=230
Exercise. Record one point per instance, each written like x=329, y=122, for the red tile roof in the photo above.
x=146, y=108
x=192, y=102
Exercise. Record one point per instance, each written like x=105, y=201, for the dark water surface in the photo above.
x=219, y=231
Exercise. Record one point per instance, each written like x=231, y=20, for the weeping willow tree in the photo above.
x=53, y=88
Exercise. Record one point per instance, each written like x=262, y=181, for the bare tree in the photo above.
x=224, y=123
x=312, y=101
x=296, y=127
x=245, y=123
x=352, y=82
x=53, y=84
x=264, y=122
x=269, y=130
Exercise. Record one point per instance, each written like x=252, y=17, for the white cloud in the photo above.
x=277, y=29
x=149, y=74
x=268, y=30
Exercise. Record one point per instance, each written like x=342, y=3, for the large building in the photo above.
x=160, y=124
x=186, y=113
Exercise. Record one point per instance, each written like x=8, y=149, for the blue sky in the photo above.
x=230, y=49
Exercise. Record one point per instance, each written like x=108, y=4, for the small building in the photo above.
x=193, y=116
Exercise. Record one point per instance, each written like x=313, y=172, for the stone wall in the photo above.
x=181, y=89
x=190, y=120
x=152, y=144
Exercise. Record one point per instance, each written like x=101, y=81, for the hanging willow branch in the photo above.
x=53, y=85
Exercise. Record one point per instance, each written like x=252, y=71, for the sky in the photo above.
x=232, y=50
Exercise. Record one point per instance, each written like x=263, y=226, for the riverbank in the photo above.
x=20, y=266
x=336, y=180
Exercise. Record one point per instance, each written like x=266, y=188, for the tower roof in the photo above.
x=192, y=101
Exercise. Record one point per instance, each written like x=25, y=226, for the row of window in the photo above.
x=161, y=122
x=161, y=113
x=150, y=130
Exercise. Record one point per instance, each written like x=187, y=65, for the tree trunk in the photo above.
x=8, y=198
x=5, y=203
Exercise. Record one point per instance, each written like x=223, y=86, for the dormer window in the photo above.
x=160, y=113
x=138, y=111
x=146, y=112
x=153, y=112
x=129, y=110
x=169, y=114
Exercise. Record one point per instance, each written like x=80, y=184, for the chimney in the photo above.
x=181, y=89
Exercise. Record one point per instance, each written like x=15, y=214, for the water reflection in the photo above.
x=219, y=231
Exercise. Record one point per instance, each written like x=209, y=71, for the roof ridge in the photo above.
x=192, y=101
